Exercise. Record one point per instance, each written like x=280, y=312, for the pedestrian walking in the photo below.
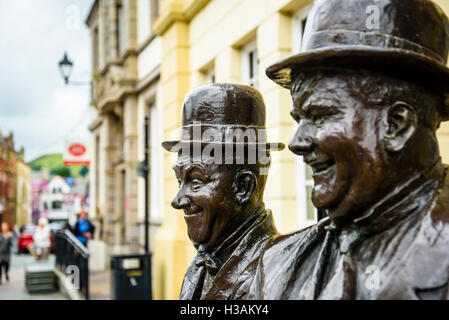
x=84, y=229
x=42, y=240
x=6, y=238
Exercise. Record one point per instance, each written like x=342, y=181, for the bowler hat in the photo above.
x=223, y=113
x=408, y=38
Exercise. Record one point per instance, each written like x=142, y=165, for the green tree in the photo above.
x=61, y=171
x=84, y=171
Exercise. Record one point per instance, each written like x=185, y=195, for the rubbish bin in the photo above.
x=131, y=277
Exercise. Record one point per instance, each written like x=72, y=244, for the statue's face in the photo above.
x=207, y=199
x=339, y=136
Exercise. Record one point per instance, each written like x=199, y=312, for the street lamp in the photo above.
x=65, y=68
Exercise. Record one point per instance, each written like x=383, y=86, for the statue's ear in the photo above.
x=402, y=125
x=244, y=185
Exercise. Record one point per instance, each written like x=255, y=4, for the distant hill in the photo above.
x=53, y=162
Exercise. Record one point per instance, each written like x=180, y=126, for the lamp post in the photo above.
x=65, y=68
x=143, y=169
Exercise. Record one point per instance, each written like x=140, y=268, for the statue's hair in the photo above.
x=380, y=90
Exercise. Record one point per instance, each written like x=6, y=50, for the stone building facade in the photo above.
x=23, y=192
x=14, y=184
x=125, y=90
x=8, y=160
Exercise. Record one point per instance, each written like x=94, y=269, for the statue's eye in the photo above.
x=196, y=184
x=319, y=114
x=319, y=120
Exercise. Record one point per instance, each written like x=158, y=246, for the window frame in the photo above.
x=156, y=205
x=298, y=27
x=302, y=199
x=209, y=75
x=249, y=64
x=121, y=28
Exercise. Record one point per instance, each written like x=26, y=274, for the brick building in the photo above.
x=8, y=160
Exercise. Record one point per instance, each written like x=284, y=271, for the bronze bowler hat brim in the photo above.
x=177, y=145
x=223, y=108
x=412, y=41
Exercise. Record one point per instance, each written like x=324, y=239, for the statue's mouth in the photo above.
x=320, y=168
x=191, y=214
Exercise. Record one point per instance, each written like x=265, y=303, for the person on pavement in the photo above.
x=6, y=238
x=42, y=240
x=83, y=229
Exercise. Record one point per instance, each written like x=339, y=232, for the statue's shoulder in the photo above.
x=439, y=212
x=434, y=227
x=283, y=244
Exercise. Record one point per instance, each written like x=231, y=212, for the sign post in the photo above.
x=76, y=154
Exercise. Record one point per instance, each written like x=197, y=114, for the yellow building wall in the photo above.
x=189, y=45
x=443, y=132
x=197, y=34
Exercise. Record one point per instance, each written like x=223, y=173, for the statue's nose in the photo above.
x=301, y=142
x=180, y=201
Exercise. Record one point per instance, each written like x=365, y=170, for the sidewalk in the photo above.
x=15, y=288
x=99, y=282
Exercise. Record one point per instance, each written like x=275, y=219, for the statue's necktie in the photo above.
x=211, y=263
x=342, y=282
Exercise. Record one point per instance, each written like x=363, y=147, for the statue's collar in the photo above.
x=399, y=203
x=214, y=259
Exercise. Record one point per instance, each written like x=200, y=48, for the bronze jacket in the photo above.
x=397, y=250
x=209, y=279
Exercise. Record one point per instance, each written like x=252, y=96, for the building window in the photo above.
x=299, y=26
x=307, y=213
x=154, y=10
x=154, y=136
x=96, y=49
x=56, y=204
x=209, y=76
x=121, y=30
x=250, y=64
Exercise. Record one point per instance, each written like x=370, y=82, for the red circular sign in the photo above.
x=77, y=149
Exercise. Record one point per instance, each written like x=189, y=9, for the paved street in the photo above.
x=100, y=285
x=15, y=288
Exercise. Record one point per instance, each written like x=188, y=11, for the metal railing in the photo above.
x=70, y=251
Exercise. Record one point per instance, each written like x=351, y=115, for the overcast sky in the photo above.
x=34, y=102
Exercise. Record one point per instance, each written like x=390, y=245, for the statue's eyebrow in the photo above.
x=193, y=166
x=178, y=170
x=320, y=103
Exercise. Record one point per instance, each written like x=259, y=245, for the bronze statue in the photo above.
x=368, y=104
x=222, y=166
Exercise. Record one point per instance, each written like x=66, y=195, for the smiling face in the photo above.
x=206, y=196
x=340, y=136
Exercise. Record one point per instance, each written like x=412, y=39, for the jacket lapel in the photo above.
x=192, y=286
x=424, y=271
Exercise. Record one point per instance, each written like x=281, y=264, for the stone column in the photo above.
x=107, y=178
x=170, y=257
x=273, y=43
x=130, y=158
